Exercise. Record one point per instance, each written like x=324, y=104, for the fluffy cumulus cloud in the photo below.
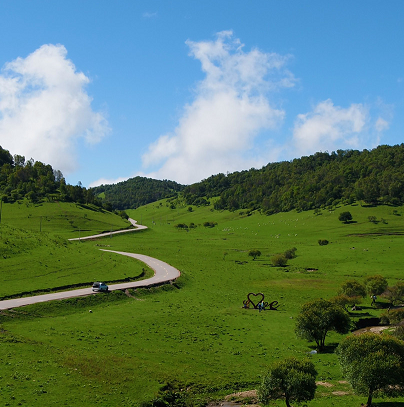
x=44, y=108
x=231, y=107
x=329, y=127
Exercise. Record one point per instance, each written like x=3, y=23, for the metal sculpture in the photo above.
x=257, y=302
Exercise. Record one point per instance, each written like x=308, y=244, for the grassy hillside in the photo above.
x=33, y=261
x=62, y=218
x=195, y=334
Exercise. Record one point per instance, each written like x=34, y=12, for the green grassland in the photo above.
x=193, y=334
x=69, y=220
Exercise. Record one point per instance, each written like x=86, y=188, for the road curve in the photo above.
x=133, y=222
x=163, y=273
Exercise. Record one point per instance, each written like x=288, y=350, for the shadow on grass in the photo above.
x=330, y=348
x=389, y=404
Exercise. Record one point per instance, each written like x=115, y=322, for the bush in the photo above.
x=279, y=260
x=392, y=317
x=290, y=253
x=209, y=224
x=323, y=242
x=181, y=226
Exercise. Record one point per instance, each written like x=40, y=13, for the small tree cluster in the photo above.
x=352, y=291
x=323, y=242
x=181, y=226
x=209, y=224
x=395, y=294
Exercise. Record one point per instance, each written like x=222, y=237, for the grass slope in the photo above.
x=33, y=261
x=69, y=220
x=195, y=334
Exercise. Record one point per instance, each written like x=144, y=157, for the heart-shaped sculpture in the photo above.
x=255, y=299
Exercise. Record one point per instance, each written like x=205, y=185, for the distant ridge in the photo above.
x=136, y=192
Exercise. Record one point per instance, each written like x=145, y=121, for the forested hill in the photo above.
x=372, y=176
x=136, y=192
x=36, y=181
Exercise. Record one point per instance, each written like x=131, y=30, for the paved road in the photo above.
x=163, y=273
x=133, y=222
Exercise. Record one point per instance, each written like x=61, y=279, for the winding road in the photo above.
x=163, y=273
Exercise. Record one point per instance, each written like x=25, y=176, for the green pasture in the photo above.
x=69, y=220
x=193, y=334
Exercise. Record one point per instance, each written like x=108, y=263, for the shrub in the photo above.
x=290, y=253
x=279, y=260
x=392, y=317
x=323, y=242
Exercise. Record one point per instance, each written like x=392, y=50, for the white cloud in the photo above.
x=44, y=108
x=381, y=124
x=107, y=181
x=329, y=127
x=231, y=107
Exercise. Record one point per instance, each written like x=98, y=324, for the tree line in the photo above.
x=320, y=180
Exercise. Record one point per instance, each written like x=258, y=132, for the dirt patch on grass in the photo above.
x=373, y=329
x=325, y=384
x=340, y=393
x=243, y=394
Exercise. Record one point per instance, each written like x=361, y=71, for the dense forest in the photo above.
x=36, y=181
x=320, y=180
x=136, y=192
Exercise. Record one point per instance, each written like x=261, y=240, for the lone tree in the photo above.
x=353, y=289
x=373, y=364
x=345, y=217
x=254, y=253
x=376, y=285
x=318, y=317
x=291, y=379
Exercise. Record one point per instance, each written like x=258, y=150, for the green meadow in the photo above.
x=193, y=335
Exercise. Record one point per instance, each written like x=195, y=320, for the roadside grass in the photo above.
x=33, y=263
x=195, y=334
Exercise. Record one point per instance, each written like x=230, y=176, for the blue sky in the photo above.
x=181, y=90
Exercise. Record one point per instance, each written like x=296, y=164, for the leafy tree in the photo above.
x=254, y=253
x=376, y=285
x=291, y=379
x=342, y=301
x=345, y=216
x=373, y=364
x=353, y=289
x=317, y=318
x=279, y=260
x=395, y=294
x=323, y=242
